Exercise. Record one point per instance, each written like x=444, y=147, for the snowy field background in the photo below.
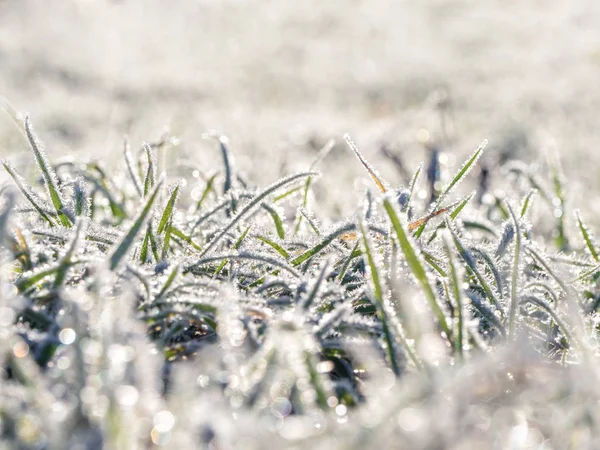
x=281, y=78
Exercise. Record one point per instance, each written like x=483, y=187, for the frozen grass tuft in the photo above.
x=131, y=315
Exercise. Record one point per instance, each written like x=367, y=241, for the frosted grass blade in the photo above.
x=251, y=204
x=415, y=263
x=48, y=173
x=168, y=212
x=129, y=238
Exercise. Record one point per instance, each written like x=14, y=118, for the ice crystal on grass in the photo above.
x=229, y=317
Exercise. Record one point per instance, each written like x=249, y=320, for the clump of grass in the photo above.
x=150, y=317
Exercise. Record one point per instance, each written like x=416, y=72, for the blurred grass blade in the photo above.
x=172, y=276
x=48, y=173
x=66, y=260
x=526, y=204
x=129, y=238
x=150, y=179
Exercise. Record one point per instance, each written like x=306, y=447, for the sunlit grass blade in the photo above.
x=48, y=173
x=416, y=266
x=251, y=204
x=370, y=169
x=587, y=237
x=168, y=212
x=128, y=239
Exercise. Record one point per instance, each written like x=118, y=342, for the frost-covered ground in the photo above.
x=207, y=310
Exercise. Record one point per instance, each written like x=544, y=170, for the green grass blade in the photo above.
x=168, y=212
x=354, y=253
x=166, y=242
x=181, y=235
x=378, y=294
x=413, y=258
x=456, y=282
x=48, y=173
x=276, y=220
x=587, y=237
x=278, y=248
x=128, y=239
x=207, y=190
